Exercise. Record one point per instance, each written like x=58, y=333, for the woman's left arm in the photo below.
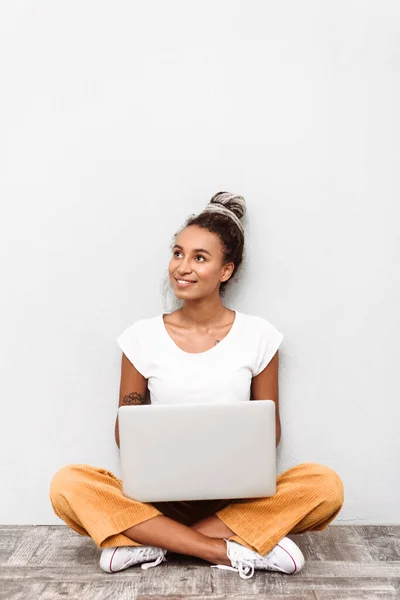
x=265, y=387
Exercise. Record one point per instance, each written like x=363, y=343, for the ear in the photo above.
x=227, y=271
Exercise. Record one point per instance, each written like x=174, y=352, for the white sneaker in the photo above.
x=121, y=557
x=285, y=557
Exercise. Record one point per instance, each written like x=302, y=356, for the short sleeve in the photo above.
x=269, y=340
x=130, y=343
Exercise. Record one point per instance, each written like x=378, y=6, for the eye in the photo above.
x=198, y=255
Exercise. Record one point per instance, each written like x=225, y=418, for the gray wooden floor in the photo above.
x=342, y=562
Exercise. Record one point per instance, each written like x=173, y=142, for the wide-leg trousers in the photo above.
x=90, y=500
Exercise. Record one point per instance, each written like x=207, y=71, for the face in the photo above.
x=196, y=269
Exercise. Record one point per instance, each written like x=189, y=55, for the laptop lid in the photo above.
x=177, y=452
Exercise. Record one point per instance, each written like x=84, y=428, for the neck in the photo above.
x=202, y=312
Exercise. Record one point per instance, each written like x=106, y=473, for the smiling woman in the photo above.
x=202, y=352
x=209, y=248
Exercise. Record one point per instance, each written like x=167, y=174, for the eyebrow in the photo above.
x=196, y=250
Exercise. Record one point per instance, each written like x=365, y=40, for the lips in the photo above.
x=183, y=281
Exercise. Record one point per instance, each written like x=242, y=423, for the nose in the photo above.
x=184, y=267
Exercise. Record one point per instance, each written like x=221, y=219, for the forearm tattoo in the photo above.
x=133, y=398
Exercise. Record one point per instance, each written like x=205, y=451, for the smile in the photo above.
x=184, y=282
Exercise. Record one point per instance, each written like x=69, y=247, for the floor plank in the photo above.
x=382, y=541
x=356, y=595
x=297, y=596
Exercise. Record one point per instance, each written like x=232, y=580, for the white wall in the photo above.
x=119, y=120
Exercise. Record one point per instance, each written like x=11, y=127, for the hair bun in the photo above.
x=237, y=204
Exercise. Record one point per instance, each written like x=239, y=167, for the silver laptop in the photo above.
x=176, y=452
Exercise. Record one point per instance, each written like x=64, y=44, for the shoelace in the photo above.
x=244, y=567
x=158, y=560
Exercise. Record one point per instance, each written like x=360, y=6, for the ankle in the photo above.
x=218, y=553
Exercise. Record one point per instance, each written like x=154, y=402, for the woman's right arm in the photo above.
x=132, y=390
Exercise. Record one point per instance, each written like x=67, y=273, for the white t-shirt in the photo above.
x=222, y=374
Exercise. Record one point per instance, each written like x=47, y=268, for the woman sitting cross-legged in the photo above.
x=223, y=354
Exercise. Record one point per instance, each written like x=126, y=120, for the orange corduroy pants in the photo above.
x=90, y=500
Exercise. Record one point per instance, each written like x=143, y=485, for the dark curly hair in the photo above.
x=222, y=216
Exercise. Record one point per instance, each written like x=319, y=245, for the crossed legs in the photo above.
x=309, y=496
x=90, y=500
x=203, y=539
